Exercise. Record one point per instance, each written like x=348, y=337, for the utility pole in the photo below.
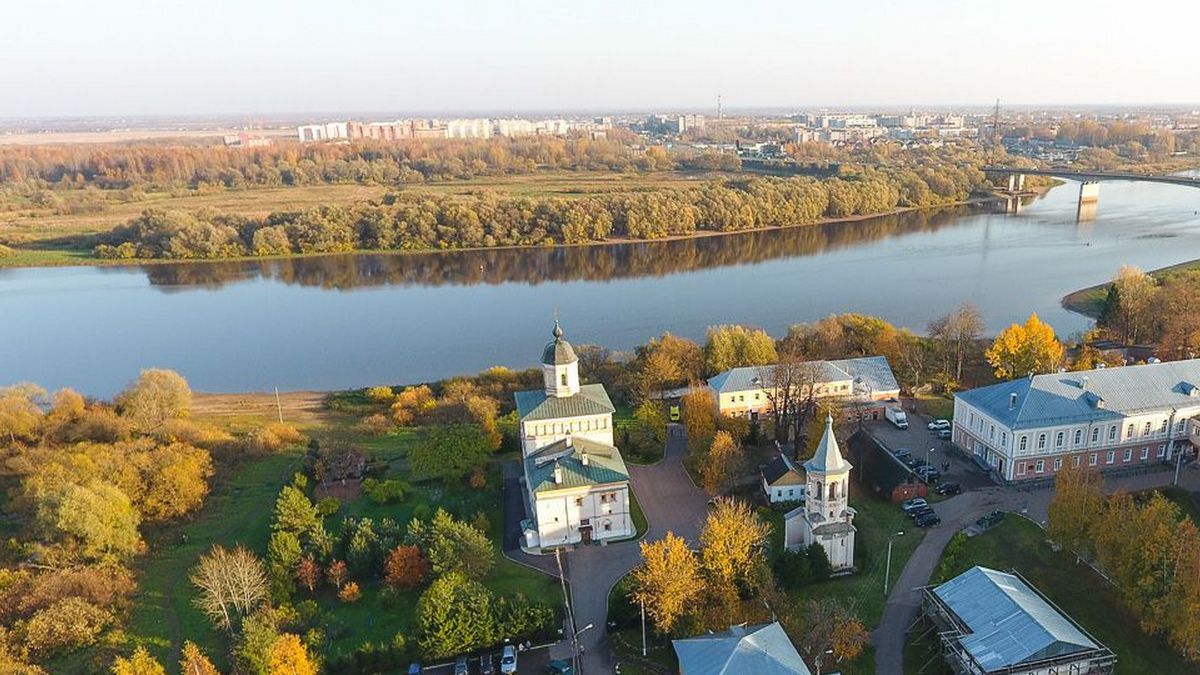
x=718, y=106
x=888, y=569
x=643, y=603
x=278, y=405
x=570, y=616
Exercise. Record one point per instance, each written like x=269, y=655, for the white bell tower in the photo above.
x=828, y=479
x=560, y=366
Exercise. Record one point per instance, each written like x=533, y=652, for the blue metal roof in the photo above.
x=742, y=650
x=1008, y=622
x=870, y=374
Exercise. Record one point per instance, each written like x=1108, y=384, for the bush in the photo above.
x=327, y=506
x=386, y=491
x=6, y=252
x=375, y=425
x=349, y=592
x=67, y=624
x=274, y=437
x=380, y=394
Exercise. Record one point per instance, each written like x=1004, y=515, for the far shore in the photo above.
x=46, y=257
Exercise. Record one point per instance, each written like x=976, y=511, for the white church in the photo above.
x=576, y=483
x=826, y=516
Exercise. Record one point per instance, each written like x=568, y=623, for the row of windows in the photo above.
x=605, y=498
x=1060, y=438
x=819, y=391
x=1093, y=459
x=569, y=427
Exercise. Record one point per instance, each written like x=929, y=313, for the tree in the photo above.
x=956, y=333
x=406, y=567
x=337, y=573
x=731, y=544
x=194, y=662
x=288, y=656
x=139, y=663
x=721, y=464
x=155, y=397
x=174, y=479
x=295, y=512
x=450, y=452
x=791, y=390
x=232, y=584
x=668, y=582
x=650, y=433
x=826, y=625
x=97, y=520
x=19, y=411
x=730, y=347
x=1078, y=501
x=1135, y=293
x=453, y=546
x=818, y=562
x=666, y=362
x=1022, y=349
x=283, y=555
x=308, y=573
x=455, y=615
x=1177, y=311
x=699, y=416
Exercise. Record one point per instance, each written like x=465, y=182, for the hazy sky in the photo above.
x=77, y=57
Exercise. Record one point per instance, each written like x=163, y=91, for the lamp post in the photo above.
x=928, y=453
x=643, y=603
x=820, y=656
x=888, y=569
x=575, y=647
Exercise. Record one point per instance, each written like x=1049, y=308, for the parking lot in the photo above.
x=925, y=445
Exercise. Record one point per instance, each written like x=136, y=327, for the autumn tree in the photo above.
x=665, y=362
x=728, y=347
x=791, y=391
x=337, y=573
x=649, y=434
x=699, y=416
x=450, y=452
x=731, y=543
x=721, y=464
x=95, y=520
x=406, y=567
x=19, y=411
x=455, y=615
x=194, y=661
x=288, y=656
x=1135, y=293
x=1022, y=349
x=1177, y=315
x=819, y=627
x=138, y=663
x=1078, y=501
x=668, y=582
x=452, y=545
x=308, y=573
x=232, y=584
x=155, y=397
x=956, y=334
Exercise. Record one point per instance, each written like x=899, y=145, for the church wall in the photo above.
x=560, y=514
x=540, y=433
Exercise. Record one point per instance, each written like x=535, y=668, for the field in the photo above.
x=240, y=510
x=1019, y=544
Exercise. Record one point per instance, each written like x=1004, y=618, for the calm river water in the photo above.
x=354, y=320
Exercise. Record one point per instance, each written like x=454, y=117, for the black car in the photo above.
x=918, y=462
x=923, y=511
x=903, y=452
x=948, y=489
x=929, y=473
x=927, y=519
x=487, y=664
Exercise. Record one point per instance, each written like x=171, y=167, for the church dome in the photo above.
x=558, y=352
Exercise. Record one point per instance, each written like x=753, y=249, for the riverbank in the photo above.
x=1090, y=301
x=17, y=257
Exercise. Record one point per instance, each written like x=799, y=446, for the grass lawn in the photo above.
x=1018, y=544
x=935, y=407
x=239, y=510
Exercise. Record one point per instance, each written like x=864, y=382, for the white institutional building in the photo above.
x=826, y=516
x=576, y=483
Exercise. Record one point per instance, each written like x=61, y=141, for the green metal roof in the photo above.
x=535, y=404
x=604, y=465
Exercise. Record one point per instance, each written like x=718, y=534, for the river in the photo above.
x=353, y=320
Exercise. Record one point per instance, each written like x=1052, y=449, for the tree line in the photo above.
x=419, y=221
x=1140, y=308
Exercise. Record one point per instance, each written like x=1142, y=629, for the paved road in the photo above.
x=670, y=502
x=904, y=601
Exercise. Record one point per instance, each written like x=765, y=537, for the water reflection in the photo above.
x=555, y=264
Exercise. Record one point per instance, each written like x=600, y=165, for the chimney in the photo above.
x=583, y=458
x=1012, y=400
x=1084, y=384
x=558, y=477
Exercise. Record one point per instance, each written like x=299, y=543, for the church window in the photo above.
x=833, y=490
x=607, y=526
x=579, y=501
x=564, y=379
x=818, y=490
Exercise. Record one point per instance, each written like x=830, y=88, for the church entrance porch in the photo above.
x=585, y=532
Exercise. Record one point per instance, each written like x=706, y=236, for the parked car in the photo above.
x=508, y=660
x=929, y=473
x=914, y=504
x=559, y=667
x=938, y=424
x=917, y=463
x=414, y=668
x=675, y=413
x=948, y=489
x=928, y=520
x=460, y=666
x=896, y=416
x=990, y=520
x=487, y=664
x=902, y=453
x=944, y=434
x=916, y=515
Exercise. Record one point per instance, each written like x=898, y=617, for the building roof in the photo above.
x=1089, y=396
x=1007, y=622
x=781, y=468
x=604, y=465
x=828, y=457
x=536, y=404
x=558, y=352
x=742, y=650
x=869, y=374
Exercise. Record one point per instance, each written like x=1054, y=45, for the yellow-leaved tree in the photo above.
x=288, y=656
x=1078, y=502
x=1022, y=349
x=668, y=582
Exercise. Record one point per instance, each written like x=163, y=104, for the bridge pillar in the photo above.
x=1089, y=195
x=1016, y=182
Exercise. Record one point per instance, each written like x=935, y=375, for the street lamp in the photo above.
x=888, y=570
x=821, y=656
x=575, y=647
x=927, y=454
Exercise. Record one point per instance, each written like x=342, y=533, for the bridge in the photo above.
x=1089, y=184
x=1093, y=176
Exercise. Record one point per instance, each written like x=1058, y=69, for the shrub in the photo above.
x=274, y=437
x=380, y=394
x=478, y=480
x=327, y=506
x=6, y=252
x=406, y=567
x=386, y=491
x=376, y=425
x=67, y=624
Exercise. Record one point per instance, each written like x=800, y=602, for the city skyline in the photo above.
x=136, y=58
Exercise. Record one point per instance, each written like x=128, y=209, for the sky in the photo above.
x=140, y=57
